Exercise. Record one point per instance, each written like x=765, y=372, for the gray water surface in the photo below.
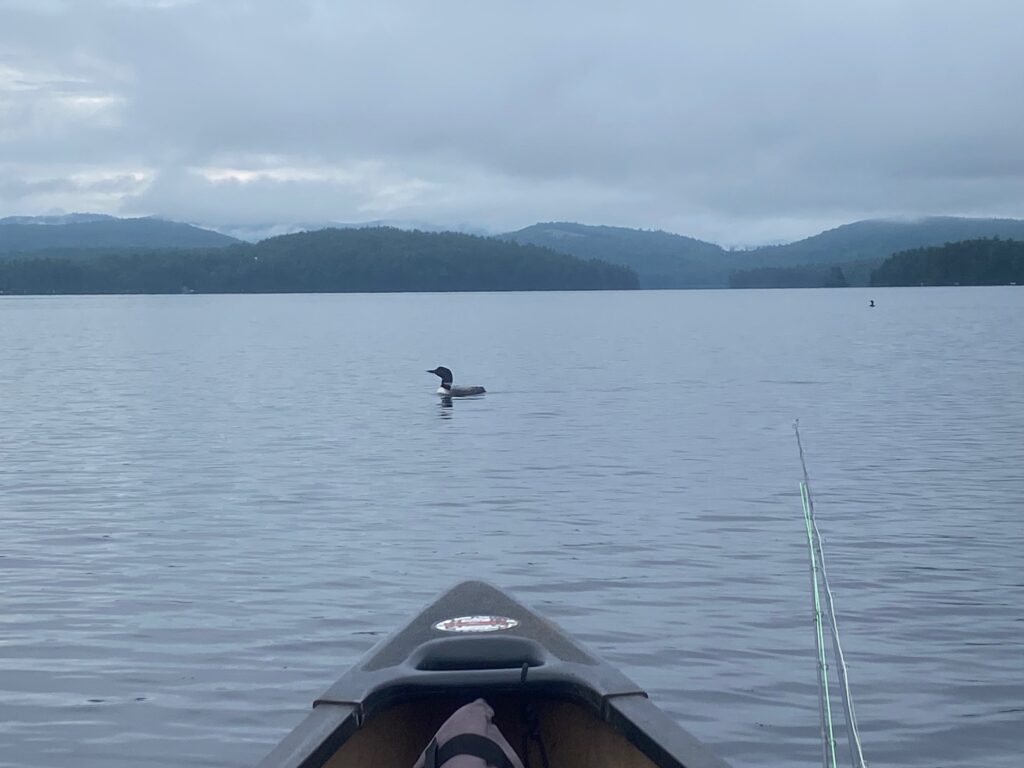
x=212, y=505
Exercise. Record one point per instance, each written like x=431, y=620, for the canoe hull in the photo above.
x=475, y=641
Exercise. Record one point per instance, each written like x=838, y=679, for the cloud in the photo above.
x=733, y=120
x=62, y=189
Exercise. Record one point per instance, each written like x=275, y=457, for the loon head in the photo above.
x=445, y=374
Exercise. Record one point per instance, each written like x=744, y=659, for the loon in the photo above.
x=448, y=390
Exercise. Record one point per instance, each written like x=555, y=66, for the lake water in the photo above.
x=212, y=505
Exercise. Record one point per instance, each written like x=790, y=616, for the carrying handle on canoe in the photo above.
x=478, y=654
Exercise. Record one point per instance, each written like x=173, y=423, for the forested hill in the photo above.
x=972, y=262
x=25, y=234
x=878, y=239
x=661, y=259
x=664, y=260
x=327, y=261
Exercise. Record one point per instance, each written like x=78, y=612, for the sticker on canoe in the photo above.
x=476, y=624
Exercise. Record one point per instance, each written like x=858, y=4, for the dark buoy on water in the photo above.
x=872, y=303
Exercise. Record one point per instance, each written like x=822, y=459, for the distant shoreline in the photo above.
x=865, y=288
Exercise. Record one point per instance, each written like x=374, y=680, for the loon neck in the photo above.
x=447, y=385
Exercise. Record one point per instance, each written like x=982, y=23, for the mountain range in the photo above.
x=352, y=260
x=660, y=259
x=664, y=260
x=24, y=234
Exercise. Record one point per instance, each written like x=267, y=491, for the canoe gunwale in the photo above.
x=313, y=741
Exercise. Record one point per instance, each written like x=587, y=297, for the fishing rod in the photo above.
x=819, y=576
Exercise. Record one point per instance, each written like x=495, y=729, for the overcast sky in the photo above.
x=736, y=122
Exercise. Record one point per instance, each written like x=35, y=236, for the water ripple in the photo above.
x=206, y=519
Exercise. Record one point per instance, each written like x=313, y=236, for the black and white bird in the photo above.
x=447, y=389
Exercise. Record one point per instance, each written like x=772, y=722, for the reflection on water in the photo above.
x=201, y=531
x=447, y=403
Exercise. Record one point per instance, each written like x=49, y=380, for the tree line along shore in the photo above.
x=984, y=261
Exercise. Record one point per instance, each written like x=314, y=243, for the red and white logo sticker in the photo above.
x=476, y=624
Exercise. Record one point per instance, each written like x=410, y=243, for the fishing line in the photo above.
x=828, y=741
x=817, y=558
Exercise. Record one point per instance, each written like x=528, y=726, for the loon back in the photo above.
x=447, y=389
x=462, y=391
